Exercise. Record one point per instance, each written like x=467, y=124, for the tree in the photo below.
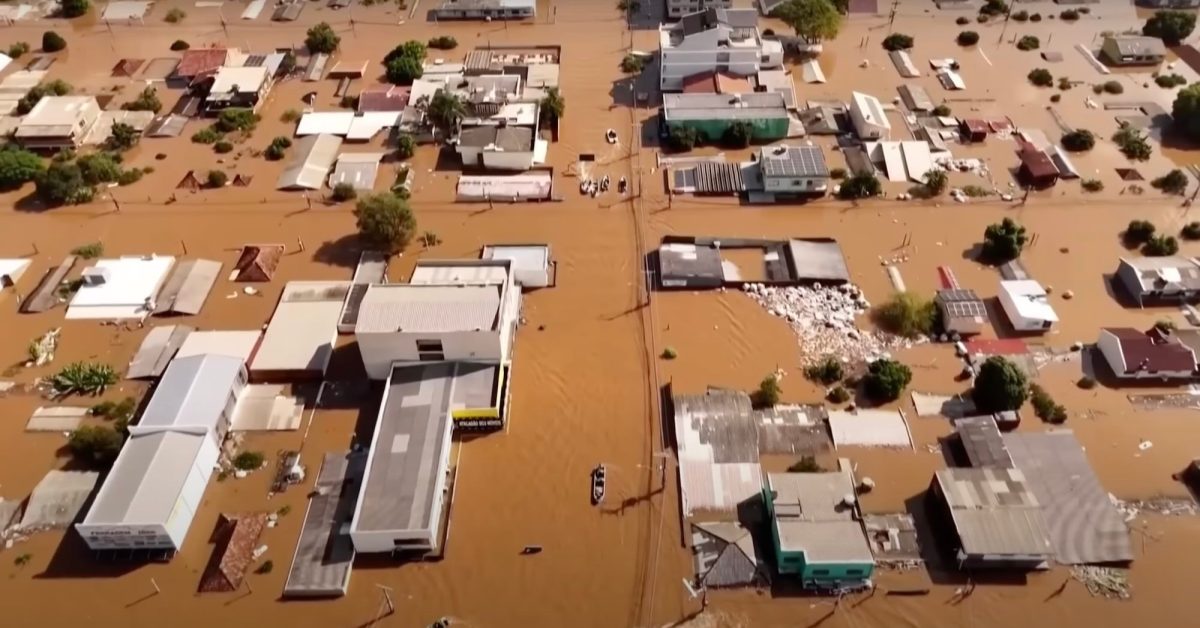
x=738, y=134
x=552, y=106
x=406, y=146
x=1185, y=112
x=967, y=38
x=98, y=168
x=53, y=42
x=62, y=183
x=20, y=48
x=123, y=137
x=216, y=178
x=1079, y=140
x=179, y=45
x=1041, y=77
x=321, y=39
x=385, y=222
x=632, y=64
x=1132, y=143
x=95, y=445
x=411, y=48
x=236, y=119
x=683, y=138
x=1029, y=42
x=146, y=101
x=994, y=7
x=767, y=395
x=1000, y=386
x=861, y=185
x=175, y=16
x=445, y=110
x=1161, y=246
x=249, y=460
x=1170, y=26
x=1190, y=231
x=906, y=314
x=813, y=20
x=898, y=41
x=444, y=42
x=17, y=167
x=936, y=182
x=403, y=70
x=287, y=65
x=827, y=371
x=1138, y=232
x=41, y=90
x=74, y=8
x=1044, y=405
x=1113, y=87
x=1003, y=241
x=885, y=380
x=1174, y=182
x=343, y=192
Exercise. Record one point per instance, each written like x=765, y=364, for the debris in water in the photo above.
x=1106, y=582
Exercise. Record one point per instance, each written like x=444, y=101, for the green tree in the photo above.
x=1003, y=241
x=403, y=70
x=1079, y=140
x=74, y=8
x=1185, y=112
x=632, y=64
x=768, y=392
x=552, y=107
x=18, y=167
x=885, y=380
x=1133, y=143
x=813, y=20
x=62, y=184
x=146, y=101
x=1029, y=42
x=967, y=38
x=1174, y=182
x=216, y=178
x=1041, y=77
x=936, y=181
x=95, y=445
x=738, y=134
x=827, y=371
x=898, y=41
x=31, y=98
x=406, y=146
x=98, y=168
x=236, y=119
x=861, y=185
x=446, y=110
x=83, y=378
x=1000, y=385
x=1138, y=232
x=343, y=192
x=249, y=460
x=53, y=42
x=906, y=314
x=1170, y=26
x=683, y=138
x=122, y=138
x=411, y=48
x=321, y=39
x=385, y=222
x=20, y=48
x=1160, y=246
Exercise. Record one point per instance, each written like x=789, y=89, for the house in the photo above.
x=498, y=147
x=58, y=122
x=678, y=8
x=1169, y=4
x=868, y=117
x=121, y=288
x=1160, y=279
x=1122, y=50
x=1154, y=354
x=244, y=87
x=312, y=158
x=201, y=62
x=713, y=114
x=816, y=532
x=1026, y=305
x=485, y=10
x=963, y=312
x=383, y=98
x=724, y=555
x=714, y=40
x=973, y=130
x=794, y=169
x=150, y=497
x=995, y=518
x=1037, y=168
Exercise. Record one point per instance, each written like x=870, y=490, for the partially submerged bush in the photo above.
x=768, y=392
x=248, y=460
x=885, y=380
x=1045, y=407
x=827, y=371
x=1041, y=77
x=1029, y=42
x=967, y=38
x=906, y=314
x=83, y=378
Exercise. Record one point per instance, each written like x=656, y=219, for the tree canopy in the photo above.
x=886, y=379
x=813, y=20
x=1186, y=111
x=1003, y=241
x=385, y=221
x=999, y=386
x=1079, y=140
x=445, y=110
x=62, y=184
x=17, y=167
x=53, y=42
x=1170, y=26
x=321, y=39
x=552, y=106
x=95, y=445
x=862, y=185
x=403, y=70
x=74, y=8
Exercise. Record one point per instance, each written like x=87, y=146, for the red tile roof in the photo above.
x=383, y=98
x=716, y=83
x=1037, y=163
x=1152, y=351
x=201, y=60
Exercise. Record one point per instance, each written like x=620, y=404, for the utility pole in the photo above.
x=892, y=15
x=1007, y=15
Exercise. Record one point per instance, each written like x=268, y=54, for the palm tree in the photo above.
x=445, y=110
x=552, y=106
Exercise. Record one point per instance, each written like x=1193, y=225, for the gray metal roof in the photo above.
x=994, y=512
x=193, y=392
x=1139, y=46
x=812, y=496
x=818, y=260
x=960, y=303
x=324, y=553
x=1162, y=273
x=186, y=290
x=793, y=161
x=983, y=443
x=511, y=138
x=724, y=554
x=311, y=160
x=428, y=308
x=916, y=98
x=1084, y=525
x=147, y=479
x=157, y=348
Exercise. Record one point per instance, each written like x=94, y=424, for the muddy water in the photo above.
x=580, y=392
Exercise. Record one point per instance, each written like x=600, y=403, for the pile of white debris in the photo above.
x=822, y=317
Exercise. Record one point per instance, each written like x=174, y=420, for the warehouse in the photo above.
x=299, y=339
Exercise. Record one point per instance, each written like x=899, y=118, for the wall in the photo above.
x=469, y=154
x=508, y=160
x=795, y=184
x=700, y=53
x=380, y=350
x=106, y=537
x=1018, y=322
x=193, y=493
x=765, y=129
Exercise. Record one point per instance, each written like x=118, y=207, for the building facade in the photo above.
x=711, y=115
x=485, y=10
x=714, y=40
x=794, y=169
x=58, y=122
x=679, y=8
x=816, y=535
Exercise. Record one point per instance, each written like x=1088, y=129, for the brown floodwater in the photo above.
x=586, y=376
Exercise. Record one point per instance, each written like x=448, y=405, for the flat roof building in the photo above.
x=963, y=312
x=120, y=288
x=530, y=262
x=299, y=339
x=997, y=521
x=868, y=117
x=58, y=122
x=1027, y=305
x=1160, y=279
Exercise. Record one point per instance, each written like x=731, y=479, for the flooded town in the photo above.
x=642, y=313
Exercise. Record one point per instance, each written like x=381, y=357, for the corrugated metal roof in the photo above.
x=313, y=157
x=302, y=330
x=147, y=479
x=156, y=351
x=724, y=554
x=192, y=393
x=187, y=288
x=428, y=308
x=982, y=442
x=994, y=511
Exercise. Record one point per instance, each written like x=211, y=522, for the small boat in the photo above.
x=583, y=186
x=599, y=476
x=531, y=549
x=610, y=136
x=621, y=185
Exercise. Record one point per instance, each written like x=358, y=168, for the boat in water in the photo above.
x=599, y=477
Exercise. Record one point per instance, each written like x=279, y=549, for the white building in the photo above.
x=120, y=288
x=679, y=8
x=450, y=311
x=156, y=485
x=793, y=169
x=1027, y=305
x=58, y=122
x=714, y=40
x=869, y=118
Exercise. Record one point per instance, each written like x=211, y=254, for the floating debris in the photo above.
x=1106, y=582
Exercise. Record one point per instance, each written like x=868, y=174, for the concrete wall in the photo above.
x=765, y=129
x=1018, y=322
x=380, y=350
x=701, y=53
x=797, y=184
x=508, y=160
x=679, y=8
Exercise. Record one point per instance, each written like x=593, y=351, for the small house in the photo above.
x=1027, y=305
x=973, y=130
x=868, y=117
x=1037, y=168
x=499, y=147
x=1132, y=354
x=1122, y=50
x=963, y=312
x=58, y=122
x=1160, y=279
x=243, y=87
x=794, y=169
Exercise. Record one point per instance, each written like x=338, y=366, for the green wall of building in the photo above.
x=765, y=129
x=796, y=563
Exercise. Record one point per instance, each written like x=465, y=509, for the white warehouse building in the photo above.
x=157, y=483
